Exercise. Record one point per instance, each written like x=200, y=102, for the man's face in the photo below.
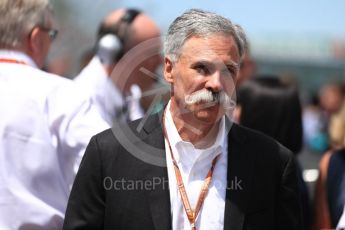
x=331, y=98
x=208, y=64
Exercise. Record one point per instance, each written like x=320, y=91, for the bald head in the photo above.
x=141, y=29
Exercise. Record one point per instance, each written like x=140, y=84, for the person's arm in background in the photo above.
x=74, y=120
x=322, y=219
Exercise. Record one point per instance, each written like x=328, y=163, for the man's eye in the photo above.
x=230, y=72
x=202, y=69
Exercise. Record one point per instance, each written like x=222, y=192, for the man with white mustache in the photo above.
x=214, y=175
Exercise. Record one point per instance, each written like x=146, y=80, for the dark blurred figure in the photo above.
x=273, y=107
x=269, y=105
x=118, y=94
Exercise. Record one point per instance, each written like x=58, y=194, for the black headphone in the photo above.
x=111, y=39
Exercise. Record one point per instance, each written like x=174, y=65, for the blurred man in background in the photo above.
x=332, y=97
x=44, y=124
x=119, y=32
x=318, y=117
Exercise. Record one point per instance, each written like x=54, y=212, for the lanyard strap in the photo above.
x=191, y=214
x=9, y=60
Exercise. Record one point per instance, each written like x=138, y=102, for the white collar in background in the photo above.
x=18, y=56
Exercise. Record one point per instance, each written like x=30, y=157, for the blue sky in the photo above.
x=257, y=17
x=264, y=16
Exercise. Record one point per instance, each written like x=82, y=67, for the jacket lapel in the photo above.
x=159, y=196
x=239, y=179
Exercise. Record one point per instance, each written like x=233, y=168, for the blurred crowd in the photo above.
x=47, y=120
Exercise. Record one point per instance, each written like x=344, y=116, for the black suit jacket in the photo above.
x=108, y=192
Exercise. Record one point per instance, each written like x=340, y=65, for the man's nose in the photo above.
x=214, y=82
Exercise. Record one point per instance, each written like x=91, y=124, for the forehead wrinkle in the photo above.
x=208, y=59
x=202, y=48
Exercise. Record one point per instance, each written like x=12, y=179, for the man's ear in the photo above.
x=35, y=42
x=168, y=70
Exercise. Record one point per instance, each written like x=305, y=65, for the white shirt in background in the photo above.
x=96, y=84
x=45, y=126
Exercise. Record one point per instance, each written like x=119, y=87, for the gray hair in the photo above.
x=242, y=35
x=197, y=22
x=18, y=18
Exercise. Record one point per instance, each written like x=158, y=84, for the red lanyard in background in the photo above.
x=9, y=60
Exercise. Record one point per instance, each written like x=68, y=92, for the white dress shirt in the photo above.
x=45, y=126
x=96, y=83
x=194, y=165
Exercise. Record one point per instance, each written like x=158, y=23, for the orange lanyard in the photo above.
x=8, y=60
x=191, y=214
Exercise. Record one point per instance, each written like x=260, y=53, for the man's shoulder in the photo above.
x=129, y=143
x=34, y=83
x=124, y=130
x=105, y=138
x=51, y=79
x=30, y=73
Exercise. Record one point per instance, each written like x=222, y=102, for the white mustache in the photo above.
x=210, y=98
x=200, y=96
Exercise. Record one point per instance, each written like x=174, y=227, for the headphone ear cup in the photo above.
x=109, y=49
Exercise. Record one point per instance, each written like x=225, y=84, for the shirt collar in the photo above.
x=192, y=155
x=18, y=56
